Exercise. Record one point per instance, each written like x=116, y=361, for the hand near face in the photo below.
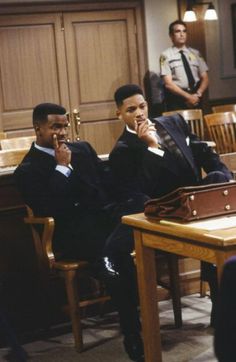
x=62, y=152
x=147, y=133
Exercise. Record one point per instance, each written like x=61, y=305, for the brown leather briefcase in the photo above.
x=194, y=202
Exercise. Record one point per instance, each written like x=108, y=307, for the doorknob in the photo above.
x=76, y=118
x=68, y=116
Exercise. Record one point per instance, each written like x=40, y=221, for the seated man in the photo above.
x=66, y=181
x=154, y=157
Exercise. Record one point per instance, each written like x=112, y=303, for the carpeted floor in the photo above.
x=191, y=343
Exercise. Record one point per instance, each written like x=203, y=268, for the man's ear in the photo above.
x=118, y=114
x=37, y=129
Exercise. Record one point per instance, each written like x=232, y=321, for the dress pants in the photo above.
x=118, y=271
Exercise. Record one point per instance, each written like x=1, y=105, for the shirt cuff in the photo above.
x=64, y=169
x=157, y=151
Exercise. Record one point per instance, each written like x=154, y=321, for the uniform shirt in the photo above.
x=171, y=64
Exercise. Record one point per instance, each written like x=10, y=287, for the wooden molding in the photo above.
x=25, y=7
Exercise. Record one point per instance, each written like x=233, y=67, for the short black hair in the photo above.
x=176, y=22
x=42, y=110
x=126, y=91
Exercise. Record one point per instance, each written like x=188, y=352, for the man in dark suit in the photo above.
x=67, y=181
x=154, y=157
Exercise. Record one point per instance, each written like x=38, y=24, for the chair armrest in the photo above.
x=39, y=220
x=43, y=239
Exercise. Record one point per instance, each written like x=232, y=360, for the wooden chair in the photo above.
x=221, y=128
x=2, y=135
x=9, y=158
x=224, y=108
x=193, y=117
x=16, y=142
x=42, y=230
x=229, y=159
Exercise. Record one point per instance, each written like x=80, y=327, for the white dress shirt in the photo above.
x=66, y=171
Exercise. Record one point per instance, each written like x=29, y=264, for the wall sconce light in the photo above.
x=190, y=15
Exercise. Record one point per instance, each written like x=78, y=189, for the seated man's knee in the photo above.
x=215, y=177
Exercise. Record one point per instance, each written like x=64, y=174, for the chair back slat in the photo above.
x=222, y=130
x=3, y=135
x=10, y=158
x=16, y=142
x=229, y=159
x=224, y=108
x=193, y=117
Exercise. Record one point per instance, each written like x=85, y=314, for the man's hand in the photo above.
x=147, y=133
x=192, y=100
x=62, y=152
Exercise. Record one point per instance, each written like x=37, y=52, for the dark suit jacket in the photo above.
x=139, y=171
x=77, y=202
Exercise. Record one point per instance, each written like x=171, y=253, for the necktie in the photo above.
x=188, y=71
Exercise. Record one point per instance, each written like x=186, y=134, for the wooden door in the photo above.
x=32, y=67
x=76, y=59
x=102, y=54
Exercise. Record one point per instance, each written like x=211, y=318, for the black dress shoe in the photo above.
x=134, y=347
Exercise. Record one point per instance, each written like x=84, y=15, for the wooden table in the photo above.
x=195, y=240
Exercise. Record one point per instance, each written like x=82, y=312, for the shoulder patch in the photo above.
x=162, y=59
x=192, y=56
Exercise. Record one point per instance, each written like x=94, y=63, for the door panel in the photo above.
x=103, y=133
x=102, y=55
x=75, y=59
x=32, y=65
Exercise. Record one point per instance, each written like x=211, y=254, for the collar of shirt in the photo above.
x=177, y=50
x=47, y=150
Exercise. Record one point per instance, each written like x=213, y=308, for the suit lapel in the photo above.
x=180, y=139
x=167, y=161
x=42, y=159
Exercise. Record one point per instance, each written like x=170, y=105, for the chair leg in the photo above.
x=71, y=283
x=175, y=288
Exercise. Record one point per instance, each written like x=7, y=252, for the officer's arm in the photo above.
x=203, y=84
x=173, y=88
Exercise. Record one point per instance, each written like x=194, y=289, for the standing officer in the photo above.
x=183, y=70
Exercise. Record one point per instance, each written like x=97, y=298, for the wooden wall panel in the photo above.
x=19, y=67
x=102, y=135
x=32, y=65
x=100, y=63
